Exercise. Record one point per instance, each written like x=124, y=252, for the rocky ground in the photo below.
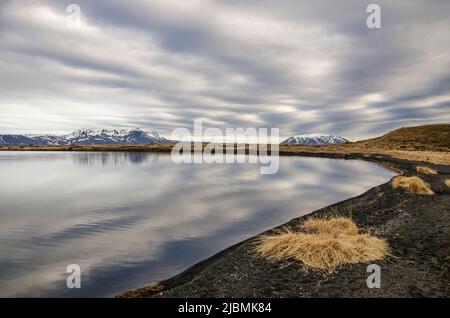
x=417, y=228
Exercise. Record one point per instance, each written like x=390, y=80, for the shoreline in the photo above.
x=429, y=154
x=417, y=228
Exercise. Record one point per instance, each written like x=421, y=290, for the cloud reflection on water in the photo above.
x=129, y=219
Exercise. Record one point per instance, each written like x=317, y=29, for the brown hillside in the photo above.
x=426, y=137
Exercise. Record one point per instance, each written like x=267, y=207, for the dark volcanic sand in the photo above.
x=417, y=228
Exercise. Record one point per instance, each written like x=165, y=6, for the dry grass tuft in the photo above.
x=336, y=242
x=412, y=184
x=447, y=182
x=425, y=170
x=332, y=226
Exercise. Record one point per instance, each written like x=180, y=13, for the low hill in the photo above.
x=425, y=137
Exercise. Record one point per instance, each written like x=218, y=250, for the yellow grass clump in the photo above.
x=425, y=170
x=332, y=243
x=336, y=225
x=412, y=184
x=447, y=182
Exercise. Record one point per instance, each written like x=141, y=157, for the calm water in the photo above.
x=132, y=219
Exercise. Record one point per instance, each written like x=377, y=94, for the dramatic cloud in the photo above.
x=302, y=66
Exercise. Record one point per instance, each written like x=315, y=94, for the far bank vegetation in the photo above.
x=425, y=170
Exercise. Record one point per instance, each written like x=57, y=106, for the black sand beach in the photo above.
x=417, y=228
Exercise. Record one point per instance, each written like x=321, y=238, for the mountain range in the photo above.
x=136, y=136
x=133, y=136
x=314, y=140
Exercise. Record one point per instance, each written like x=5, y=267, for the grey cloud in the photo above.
x=310, y=66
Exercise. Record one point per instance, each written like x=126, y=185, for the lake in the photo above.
x=131, y=219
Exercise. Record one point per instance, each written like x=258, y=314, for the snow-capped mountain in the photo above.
x=114, y=136
x=314, y=140
x=19, y=140
x=87, y=137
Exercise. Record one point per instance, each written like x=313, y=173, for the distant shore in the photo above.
x=417, y=227
x=345, y=151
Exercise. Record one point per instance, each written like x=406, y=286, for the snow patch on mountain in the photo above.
x=314, y=140
x=133, y=136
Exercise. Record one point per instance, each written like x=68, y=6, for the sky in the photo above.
x=309, y=66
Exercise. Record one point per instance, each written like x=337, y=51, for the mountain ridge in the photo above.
x=90, y=136
x=314, y=140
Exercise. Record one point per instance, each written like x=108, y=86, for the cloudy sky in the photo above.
x=303, y=66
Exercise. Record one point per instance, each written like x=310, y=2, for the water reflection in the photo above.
x=115, y=158
x=133, y=218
